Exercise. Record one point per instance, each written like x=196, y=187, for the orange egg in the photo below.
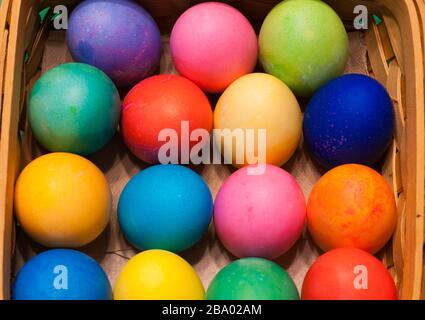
x=62, y=200
x=351, y=206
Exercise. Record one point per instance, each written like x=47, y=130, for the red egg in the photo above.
x=348, y=274
x=164, y=102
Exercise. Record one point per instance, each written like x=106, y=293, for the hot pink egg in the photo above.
x=259, y=215
x=213, y=44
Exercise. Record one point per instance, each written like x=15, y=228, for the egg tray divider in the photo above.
x=395, y=57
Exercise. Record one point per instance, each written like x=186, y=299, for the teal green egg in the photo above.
x=252, y=279
x=75, y=108
x=304, y=44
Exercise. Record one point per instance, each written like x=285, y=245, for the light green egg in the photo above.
x=303, y=43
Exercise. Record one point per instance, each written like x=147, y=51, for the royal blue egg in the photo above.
x=165, y=207
x=349, y=120
x=61, y=274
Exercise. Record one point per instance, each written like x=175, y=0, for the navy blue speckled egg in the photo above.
x=349, y=120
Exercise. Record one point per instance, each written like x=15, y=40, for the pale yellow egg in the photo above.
x=254, y=107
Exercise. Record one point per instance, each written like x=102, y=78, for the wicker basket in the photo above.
x=393, y=54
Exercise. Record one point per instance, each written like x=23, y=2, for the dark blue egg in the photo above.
x=349, y=120
x=61, y=274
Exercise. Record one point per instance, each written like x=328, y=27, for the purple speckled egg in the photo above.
x=116, y=36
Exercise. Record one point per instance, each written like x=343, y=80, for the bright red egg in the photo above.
x=164, y=109
x=348, y=274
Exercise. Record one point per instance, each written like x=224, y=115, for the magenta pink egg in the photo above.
x=213, y=44
x=259, y=215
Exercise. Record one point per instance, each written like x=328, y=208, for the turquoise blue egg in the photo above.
x=75, y=108
x=61, y=274
x=165, y=207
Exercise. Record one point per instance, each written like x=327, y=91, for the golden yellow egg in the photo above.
x=158, y=275
x=259, y=121
x=62, y=200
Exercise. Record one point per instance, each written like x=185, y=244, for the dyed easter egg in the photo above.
x=165, y=207
x=252, y=279
x=361, y=211
x=61, y=274
x=213, y=44
x=303, y=43
x=348, y=274
x=158, y=275
x=117, y=36
x=259, y=214
x=74, y=108
x=349, y=120
x=62, y=200
x=164, y=108
x=263, y=110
